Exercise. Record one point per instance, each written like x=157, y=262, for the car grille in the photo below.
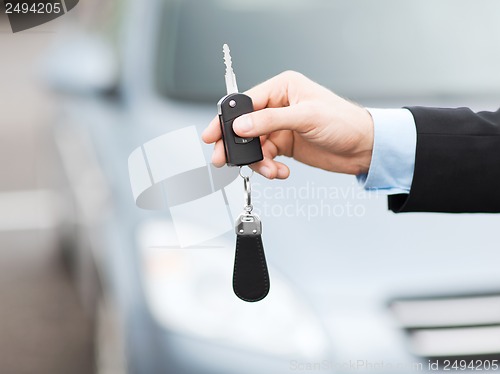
x=451, y=326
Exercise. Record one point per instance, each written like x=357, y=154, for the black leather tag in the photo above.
x=250, y=275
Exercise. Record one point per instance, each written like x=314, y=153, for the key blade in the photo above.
x=231, y=85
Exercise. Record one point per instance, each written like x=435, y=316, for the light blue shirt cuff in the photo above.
x=393, y=156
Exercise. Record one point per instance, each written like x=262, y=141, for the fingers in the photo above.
x=269, y=120
x=271, y=101
x=274, y=92
x=212, y=133
x=271, y=169
x=219, y=156
x=261, y=95
x=283, y=171
x=268, y=167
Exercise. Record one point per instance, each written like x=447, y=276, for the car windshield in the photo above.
x=359, y=48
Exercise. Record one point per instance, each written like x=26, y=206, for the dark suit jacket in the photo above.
x=457, y=163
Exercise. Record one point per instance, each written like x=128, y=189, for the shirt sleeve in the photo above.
x=393, y=157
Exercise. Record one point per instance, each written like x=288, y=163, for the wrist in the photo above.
x=364, y=151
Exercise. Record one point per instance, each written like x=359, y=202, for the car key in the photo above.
x=239, y=151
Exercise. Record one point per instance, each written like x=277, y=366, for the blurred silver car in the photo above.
x=354, y=287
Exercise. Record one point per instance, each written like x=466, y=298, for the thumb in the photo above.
x=269, y=120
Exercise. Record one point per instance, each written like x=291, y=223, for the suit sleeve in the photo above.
x=457, y=163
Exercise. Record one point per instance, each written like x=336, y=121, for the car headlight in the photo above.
x=189, y=291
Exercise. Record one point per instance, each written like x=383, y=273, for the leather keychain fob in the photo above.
x=250, y=275
x=239, y=151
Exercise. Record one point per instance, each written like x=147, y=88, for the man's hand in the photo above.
x=298, y=118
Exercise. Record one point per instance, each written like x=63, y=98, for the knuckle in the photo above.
x=292, y=75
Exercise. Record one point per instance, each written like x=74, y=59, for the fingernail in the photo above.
x=265, y=171
x=243, y=124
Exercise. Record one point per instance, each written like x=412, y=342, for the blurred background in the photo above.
x=43, y=327
x=90, y=283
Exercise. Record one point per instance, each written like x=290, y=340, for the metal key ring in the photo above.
x=246, y=176
x=248, y=191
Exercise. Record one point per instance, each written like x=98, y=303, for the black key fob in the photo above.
x=239, y=151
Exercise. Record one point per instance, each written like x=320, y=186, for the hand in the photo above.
x=298, y=118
